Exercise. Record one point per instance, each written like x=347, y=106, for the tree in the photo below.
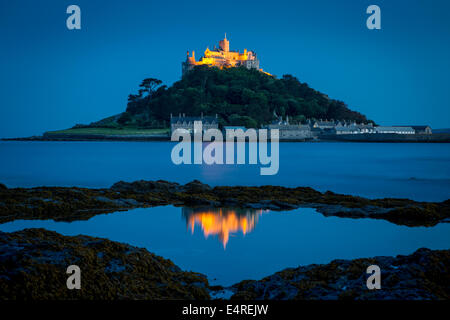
x=133, y=97
x=149, y=85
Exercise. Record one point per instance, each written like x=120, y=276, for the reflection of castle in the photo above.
x=221, y=221
x=222, y=57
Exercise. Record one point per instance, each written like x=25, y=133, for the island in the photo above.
x=227, y=89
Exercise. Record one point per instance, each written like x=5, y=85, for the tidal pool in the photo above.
x=230, y=245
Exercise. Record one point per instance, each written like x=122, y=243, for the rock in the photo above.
x=423, y=275
x=33, y=265
x=284, y=205
x=196, y=187
x=257, y=205
x=196, y=201
x=119, y=202
x=263, y=204
x=230, y=202
x=131, y=202
x=143, y=186
x=104, y=199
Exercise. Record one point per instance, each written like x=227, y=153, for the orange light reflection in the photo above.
x=222, y=222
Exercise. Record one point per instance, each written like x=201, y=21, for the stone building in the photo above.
x=291, y=131
x=187, y=123
x=422, y=129
x=323, y=124
x=353, y=128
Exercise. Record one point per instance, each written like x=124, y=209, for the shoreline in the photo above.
x=364, y=137
x=93, y=138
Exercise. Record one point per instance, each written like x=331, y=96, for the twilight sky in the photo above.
x=52, y=77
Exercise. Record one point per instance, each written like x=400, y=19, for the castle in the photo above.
x=222, y=57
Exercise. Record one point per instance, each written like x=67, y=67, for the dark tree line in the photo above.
x=238, y=95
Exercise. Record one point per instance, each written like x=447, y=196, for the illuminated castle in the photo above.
x=222, y=57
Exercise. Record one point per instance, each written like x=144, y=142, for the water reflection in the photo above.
x=221, y=221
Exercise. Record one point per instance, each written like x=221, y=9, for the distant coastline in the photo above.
x=92, y=137
x=383, y=137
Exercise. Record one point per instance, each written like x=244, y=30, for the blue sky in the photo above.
x=53, y=78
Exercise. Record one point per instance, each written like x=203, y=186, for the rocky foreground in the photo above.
x=423, y=275
x=68, y=204
x=33, y=265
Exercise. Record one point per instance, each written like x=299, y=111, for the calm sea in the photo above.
x=374, y=170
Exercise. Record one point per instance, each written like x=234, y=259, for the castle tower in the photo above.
x=224, y=44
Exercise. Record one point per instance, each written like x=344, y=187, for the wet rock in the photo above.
x=33, y=265
x=119, y=202
x=423, y=275
x=198, y=201
x=196, y=186
x=143, y=186
x=341, y=211
x=284, y=205
x=130, y=202
x=104, y=199
x=263, y=204
x=231, y=202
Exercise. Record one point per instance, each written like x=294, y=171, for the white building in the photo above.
x=351, y=129
x=396, y=130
